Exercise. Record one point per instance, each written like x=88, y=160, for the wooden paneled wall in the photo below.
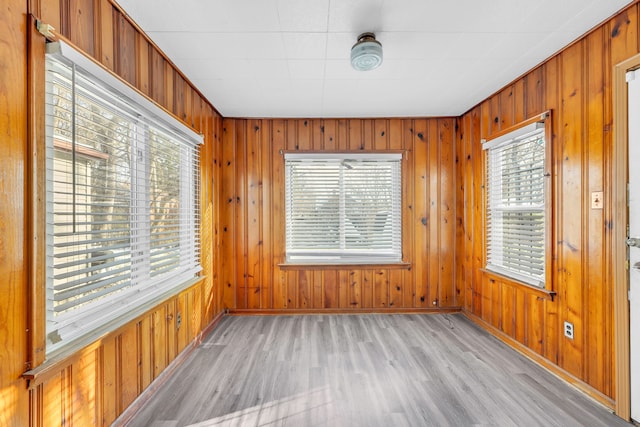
x=95, y=384
x=252, y=222
x=576, y=85
x=242, y=239
x=14, y=403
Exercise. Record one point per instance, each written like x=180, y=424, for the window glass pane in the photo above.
x=164, y=202
x=343, y=209
x=515, y=208
x=122, y=200
x=90, y=196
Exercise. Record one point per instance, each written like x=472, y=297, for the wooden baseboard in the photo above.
x=299, y=311
x=165, y=375
x=545, y=363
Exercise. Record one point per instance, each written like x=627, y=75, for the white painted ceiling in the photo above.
x=290, y=58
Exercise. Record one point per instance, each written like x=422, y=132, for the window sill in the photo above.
x=92, y=339
x=541, y=292
x=337, y=266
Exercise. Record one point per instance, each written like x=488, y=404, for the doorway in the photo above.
x=633, y=235
x=625, y=204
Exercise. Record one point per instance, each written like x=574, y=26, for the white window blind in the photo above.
x=122, y=198
x=343, y=208
x=516, y=205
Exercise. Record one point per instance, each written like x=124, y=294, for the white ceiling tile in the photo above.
x=417, y=45
x=301, y=45
x=306, y=69
x=231, y=15
x=339, y=45
x=217, y=69
x=303, y=15
x=355, y=15
x=269, y=69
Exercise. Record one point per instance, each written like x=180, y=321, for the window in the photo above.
x=343, y=208
x=122, y=198
x=516, y=204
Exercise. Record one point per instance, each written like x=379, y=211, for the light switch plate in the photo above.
x=597, y=199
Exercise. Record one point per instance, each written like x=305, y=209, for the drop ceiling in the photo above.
x=290, y=58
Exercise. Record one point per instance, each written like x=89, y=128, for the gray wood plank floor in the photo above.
x=364, y=370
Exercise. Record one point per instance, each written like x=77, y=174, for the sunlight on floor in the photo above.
x=311, y=406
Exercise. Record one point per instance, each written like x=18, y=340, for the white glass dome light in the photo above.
x=366, y=54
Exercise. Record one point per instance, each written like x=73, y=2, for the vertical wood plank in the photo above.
x=425, y=180
x=305, y=286
x=331, y=292
x=109, y=377
x=596, y=296
x=460, y=247
x=355, y=288
x=266, y=213
x=280, y=136
x=318, y=297
x=53, y=394
x=83, y=388
x=552, y=315
x=447, y=217
x=508, y=310
x=128, y=366
x=344, y=287
x=125, y=47
x=535, y=308
x=396, y=295
x=254, y=219
x=519, y=107
x=82, y=24
x=380, y=288
x=145, y=346
x=342, y=134
x=50, y=11
x=303, y=135
x=227, y=214
x=408, y=234
x=142, y=64
x=571, y=210
x=534, y=93
x=367, y=288
x=623, y=33
x=506, y=102
x=380, y=135
x=330, y=135
x=169, y=89
x=156, y=79
x=356, y=135
x=182, y=311
x=159, y=341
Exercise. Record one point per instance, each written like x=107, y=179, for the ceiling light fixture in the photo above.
x=366, y=54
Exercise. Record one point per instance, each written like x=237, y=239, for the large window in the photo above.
x=517, y=204
x=343, y=208
x=122, y=199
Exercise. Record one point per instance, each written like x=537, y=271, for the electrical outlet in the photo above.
x=568, y=330
x=178, y=320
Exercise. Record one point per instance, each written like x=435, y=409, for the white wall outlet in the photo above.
x=596, y=200
x=568, y=330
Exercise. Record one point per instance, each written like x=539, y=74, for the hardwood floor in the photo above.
x=364, y=370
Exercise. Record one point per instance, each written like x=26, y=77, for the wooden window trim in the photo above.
x=329, y=266
x=548, y=290
x=492, y=276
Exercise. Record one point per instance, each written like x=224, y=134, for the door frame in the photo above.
x=619, y=210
